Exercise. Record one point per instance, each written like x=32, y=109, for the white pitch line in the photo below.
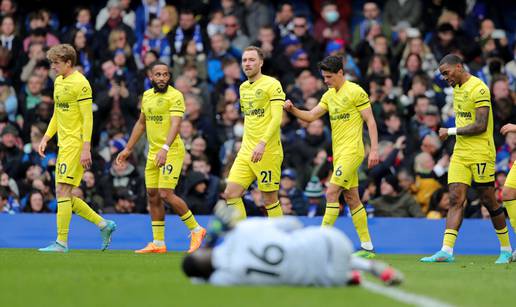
x=403, y=296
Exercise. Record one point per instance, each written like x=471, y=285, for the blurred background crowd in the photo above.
x=391, y=48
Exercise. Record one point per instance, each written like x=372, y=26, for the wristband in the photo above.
x=452, y=131
x=166, y=147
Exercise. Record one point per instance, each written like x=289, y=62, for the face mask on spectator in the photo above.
x=238, y=130
x=213, y=29
x=331, y=16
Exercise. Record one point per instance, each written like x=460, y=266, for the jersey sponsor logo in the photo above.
x=255, y=112
x=342, y=116
x=463, y=114
x=63, y=106
x=154, y=118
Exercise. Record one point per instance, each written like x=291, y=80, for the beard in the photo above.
x=157, y=89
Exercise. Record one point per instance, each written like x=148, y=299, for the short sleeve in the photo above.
x=276, y=94
x=85, y=94
x=362, y=101
x=481, y=96
x=177, y=105
x=324, y=101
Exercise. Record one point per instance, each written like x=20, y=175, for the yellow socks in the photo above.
x=510, y=206
x=274, y=210
x=238, y=204
x=64, y=215
x=331, y=214
x=83, y=210
x=503, y=237
x=189, y=219
x=158, y=232
x=450, y=235
x=359, y=217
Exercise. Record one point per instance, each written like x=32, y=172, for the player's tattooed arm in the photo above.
x=480, y=124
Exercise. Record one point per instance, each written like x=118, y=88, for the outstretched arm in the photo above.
x=307, y=116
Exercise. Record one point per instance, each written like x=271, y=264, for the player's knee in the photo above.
x=63, y=191
x=456, y=200
x=165, y=194
x=332, y=195
x=152, y=193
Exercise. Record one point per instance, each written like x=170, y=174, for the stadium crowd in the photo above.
x=391, y=48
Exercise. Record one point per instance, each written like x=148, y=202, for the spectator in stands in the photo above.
x=284, y=20
x=30, y=150
x=117, y=41
x=426, y=183
x=431, y=122
x=11, y=45
x=372, y=14
x=410, y=68
x=203, y=125
x=113, y=94
x=202, y=165
x=394, y=202
x=43, y=185
x=189, y=57
x=85, y=57
x=82, y=23
x=391, y=128
x=145, y=12
x=389, y=161
x=91, y=192
x=35, y=54
x=9, y=184
x=120, y=178
x=128, y=15
x=35, y=203
x=395, y=11
x=216, y=23
x=152, y=39
x=226, y=122
x=10, y=151
x=231, y=7
x=124, y=202
x=256, y=15
x=8, y=204
x=266, y=40
x=236, y=38
x=314, y=193
x=443, y=42
x=439, y=204
x=196, y=195
x=220, y=50
x=8, y=100
x=187, y=30
x=329, y=25
x=169, y=18
x=308, y=42
x=289, y=188
x=230, y=82
x=41, y=113
x=114, y=21
x=39, y=34
x=286, y=204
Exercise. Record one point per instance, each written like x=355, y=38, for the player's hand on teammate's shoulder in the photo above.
x=288, y=106
x=508, y=128
x=443, y=133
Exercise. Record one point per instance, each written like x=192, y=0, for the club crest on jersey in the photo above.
x=84, y=89
x=259, y=93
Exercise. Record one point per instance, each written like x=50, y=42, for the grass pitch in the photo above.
x=122, y=278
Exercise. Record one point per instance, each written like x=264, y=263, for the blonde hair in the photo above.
x=112, y=39
x=62, y=52
x=172, y=12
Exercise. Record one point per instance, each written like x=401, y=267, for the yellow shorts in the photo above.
x=69, y=169
x=167, y=176
x=267, y=172
x=510, y=181
x=478, y=173
x=345, y=171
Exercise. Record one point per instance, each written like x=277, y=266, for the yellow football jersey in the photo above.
x=256, y=99
x=158, y=108
x=466, y=98
x=69, y=94
x=344, y=108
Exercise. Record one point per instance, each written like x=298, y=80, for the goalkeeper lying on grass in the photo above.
x=261, y=251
